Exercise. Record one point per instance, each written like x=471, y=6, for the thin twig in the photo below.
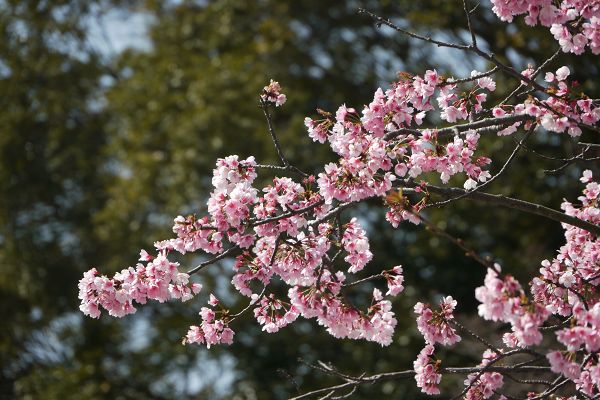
x=468, y=14
x=265, y=107
x=387, y=22
x=476, y=336
x=535, y=73
x=369, y=278
x=334, y=212
x=257, y=222
x=452, y=81
x=460, y=243
x=555, y=386
x=352, y=381
x=203, y=264
x=468, y=48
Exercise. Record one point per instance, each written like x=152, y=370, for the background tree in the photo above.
x=99, y=153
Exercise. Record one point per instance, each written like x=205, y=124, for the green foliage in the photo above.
x=97, y=155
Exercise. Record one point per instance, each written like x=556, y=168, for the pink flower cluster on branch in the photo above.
x=564, y=111
x=158, y=280
x=214, y=328
x=504, y=300
x=435, y=325
x=566, y=287
x=271, y=94
x=293, y=233
x=483, y=385
x=427, y=371
x=575, y=24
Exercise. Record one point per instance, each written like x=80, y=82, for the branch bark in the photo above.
x=516, y=204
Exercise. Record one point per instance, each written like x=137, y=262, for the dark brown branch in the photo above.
x=382, y=21
x=469, y=26
x=452, y=81
x=516, y=204
x=535, y=73
x=459, y=128
x=410, y=373
x=557, y=384
x=368, y=278
x=469, y=48
x=507, y=120
x=476, y=336
x=287, y=214
x=333, y=213
x=229, y=251
x=265, y=107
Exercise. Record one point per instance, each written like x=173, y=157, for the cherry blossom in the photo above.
x=483, y=386
x=435, y=325
x=272, y=94
x=295, y=234
x=427, y=371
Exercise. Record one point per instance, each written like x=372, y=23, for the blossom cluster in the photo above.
x=484, y=385
x=575, y=24
x=273, y=314
x=503, y=299
x=280, y=242
x=271, y=94
x=427, y=371
x=566, y=287
x=394, y=280
x=214, y=328
x=158, y=280
x=292, y=234
x=435, y=326
x=378, y=147
x=563, y=111
x=341, y=319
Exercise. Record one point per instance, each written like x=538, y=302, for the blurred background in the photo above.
x=112, y=114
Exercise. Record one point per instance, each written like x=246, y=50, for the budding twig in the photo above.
x=493, y=178
x=265, y=107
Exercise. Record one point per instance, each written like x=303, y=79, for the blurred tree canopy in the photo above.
x=100, y=150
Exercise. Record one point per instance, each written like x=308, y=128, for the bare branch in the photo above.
x=516, y=204
x=368, y=278
x=382, y=21
x=468, y=14
x=354, y=381
x=288, y=214
x=476, y=336
x=265, y=107
x=468, y=48
x=229, y=251
x=460, y=243
x=535, y=74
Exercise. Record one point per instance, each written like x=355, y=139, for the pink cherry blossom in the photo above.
x=427, y=371
x=435, y=326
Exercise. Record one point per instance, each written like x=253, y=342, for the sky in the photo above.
x=115, y=31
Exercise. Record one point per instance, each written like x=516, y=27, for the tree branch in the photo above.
x=265, y=107
x=516, y=204
x=484, y=123
x=353, y=381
